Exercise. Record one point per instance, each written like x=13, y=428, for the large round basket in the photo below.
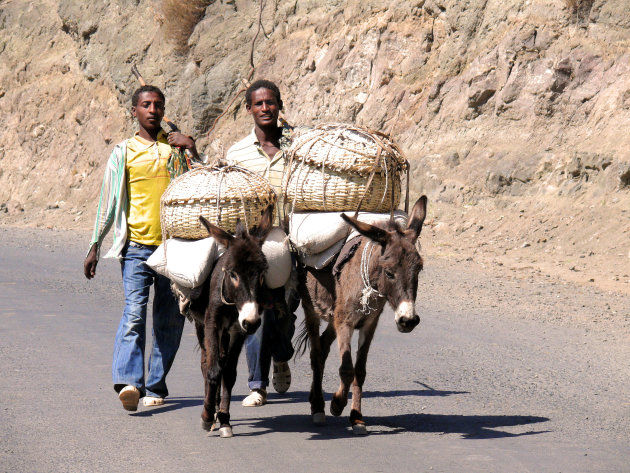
x=336, y=167
x=222, y=194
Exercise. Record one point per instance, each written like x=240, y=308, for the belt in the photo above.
x=140, y=245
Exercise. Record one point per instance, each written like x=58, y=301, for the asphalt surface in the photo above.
x=501, y=376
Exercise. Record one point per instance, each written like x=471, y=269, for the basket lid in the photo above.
x=347, y=148
x=218, y=183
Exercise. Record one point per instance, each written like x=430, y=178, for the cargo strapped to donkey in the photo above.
x=223, y=194
x=338, y=167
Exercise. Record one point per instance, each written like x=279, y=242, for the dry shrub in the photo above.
x=181, y=17
x=576, y=6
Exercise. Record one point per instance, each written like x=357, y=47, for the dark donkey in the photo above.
x=384, y=268
x=227, y=310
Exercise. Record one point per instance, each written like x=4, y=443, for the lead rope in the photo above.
x=368, y=291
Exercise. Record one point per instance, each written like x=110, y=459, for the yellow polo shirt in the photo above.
x=147, y=179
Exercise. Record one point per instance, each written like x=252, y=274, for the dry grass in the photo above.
x=181, y=17
x=576, y=6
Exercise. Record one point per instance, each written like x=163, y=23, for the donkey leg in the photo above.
x=225, y=345
x=346, y=370
x=229, y=378
x=316, y=396
x=320, y=348
x=326, y=339
x=206, y=421
x=366, y=334
x=202, y=347
x=213, y=377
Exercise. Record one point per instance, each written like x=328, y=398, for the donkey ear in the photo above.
x=416, y=219
x=373, y=233
x=241, y=230
x=217, y=233
x=266, y=223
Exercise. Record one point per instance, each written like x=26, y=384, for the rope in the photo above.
x=368, y=291
x=369, y=182
x=223, y=300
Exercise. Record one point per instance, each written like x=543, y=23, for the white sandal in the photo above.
x=129, y=396
x=149, y=401
x=257, y=398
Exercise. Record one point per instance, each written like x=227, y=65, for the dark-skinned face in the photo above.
x=149, y=111
x=264, y=108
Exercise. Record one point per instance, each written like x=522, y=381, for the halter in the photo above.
x=223, y=284
x=368, y=291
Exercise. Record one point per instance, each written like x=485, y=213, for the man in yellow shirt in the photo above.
x=136, y=175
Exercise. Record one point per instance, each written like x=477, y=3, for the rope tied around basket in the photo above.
x=333, y=167
x=223, y=193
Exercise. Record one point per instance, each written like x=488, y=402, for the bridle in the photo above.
x=368, y=291
x=223, y=300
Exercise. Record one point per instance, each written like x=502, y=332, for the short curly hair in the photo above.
x=261, y=84
x=145, y=88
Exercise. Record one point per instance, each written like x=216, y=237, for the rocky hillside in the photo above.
x=514, y=114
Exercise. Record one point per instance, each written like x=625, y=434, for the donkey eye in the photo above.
x=234, y=276
x=389, y=274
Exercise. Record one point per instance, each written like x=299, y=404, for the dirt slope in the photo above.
x=514, y=114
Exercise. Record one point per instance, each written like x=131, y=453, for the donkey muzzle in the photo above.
x=406, y=318
x=249, y=318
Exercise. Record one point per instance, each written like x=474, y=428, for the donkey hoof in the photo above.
x=335, y=409
x=319, y=418
x=359, y=429
x=207, y=426
x=225, y=432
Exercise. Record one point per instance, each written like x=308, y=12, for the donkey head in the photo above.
x=242, y=267
x=395, y=268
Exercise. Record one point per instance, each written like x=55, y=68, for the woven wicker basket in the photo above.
x=222, y=194
x=336, y=168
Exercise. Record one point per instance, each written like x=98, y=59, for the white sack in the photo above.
x=313, y=232
x=321, y=260
x=189, y=262
x=186, y=262
x=400, y=218
x=278, y=254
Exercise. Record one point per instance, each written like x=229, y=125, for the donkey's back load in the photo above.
x=351, y=266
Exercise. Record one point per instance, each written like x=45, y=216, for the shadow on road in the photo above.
x=470, y=427
x=171, y=404
x=302, y=396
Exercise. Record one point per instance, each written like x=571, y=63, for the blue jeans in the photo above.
x=168, y=324
x=271, y=340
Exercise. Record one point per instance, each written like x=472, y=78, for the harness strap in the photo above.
x=223, y=300
x=368, y=290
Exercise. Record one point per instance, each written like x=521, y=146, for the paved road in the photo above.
x=497, y=378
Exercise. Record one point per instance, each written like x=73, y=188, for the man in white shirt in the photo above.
x=263, y=151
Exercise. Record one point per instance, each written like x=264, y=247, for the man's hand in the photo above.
x=89, y=265
x=175, y=138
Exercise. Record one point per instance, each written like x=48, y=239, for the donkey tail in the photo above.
x=301, y=341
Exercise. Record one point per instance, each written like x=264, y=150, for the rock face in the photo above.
x=496, y=104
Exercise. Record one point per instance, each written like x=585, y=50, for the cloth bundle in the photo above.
x=318, y=236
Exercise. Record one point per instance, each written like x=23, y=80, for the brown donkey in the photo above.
x=227, y=310
x=383, y=268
